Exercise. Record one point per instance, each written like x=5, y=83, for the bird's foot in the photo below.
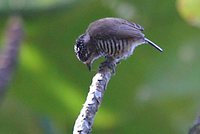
x=110, y=64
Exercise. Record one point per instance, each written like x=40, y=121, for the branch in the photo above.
x=196, y=128
x=84, y=122
x=8, y=55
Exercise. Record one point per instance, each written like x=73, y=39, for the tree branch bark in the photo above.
x=9, y=53
x=195, y=128
x=84, y=122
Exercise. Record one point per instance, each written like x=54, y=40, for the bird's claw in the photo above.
x=108, y=64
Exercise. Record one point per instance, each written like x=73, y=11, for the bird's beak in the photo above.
x=153, y=44
x=89, y=66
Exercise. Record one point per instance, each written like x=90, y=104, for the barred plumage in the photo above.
x=113, y=38
x=113, y=47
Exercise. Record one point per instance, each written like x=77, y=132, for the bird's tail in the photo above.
x=153, y=44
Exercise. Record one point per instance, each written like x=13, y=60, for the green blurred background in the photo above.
x=151, y=93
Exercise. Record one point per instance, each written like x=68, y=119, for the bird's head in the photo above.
x=83, y=50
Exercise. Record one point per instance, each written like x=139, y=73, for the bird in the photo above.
x=112, y=38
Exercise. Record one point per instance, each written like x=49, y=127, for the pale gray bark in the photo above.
x=84, y=122
x=196, y=127
x=9, y=51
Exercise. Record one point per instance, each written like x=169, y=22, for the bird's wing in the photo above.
x=115, y=28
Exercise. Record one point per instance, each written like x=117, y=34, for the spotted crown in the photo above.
x=80, y=49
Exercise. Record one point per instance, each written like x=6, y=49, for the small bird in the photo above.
x=112, y=38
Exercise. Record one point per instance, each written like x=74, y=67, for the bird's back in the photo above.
x=115, y=27
x=114, y=37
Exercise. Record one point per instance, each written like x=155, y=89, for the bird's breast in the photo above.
x=116, y=48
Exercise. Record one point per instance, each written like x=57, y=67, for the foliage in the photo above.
x=151, y=93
